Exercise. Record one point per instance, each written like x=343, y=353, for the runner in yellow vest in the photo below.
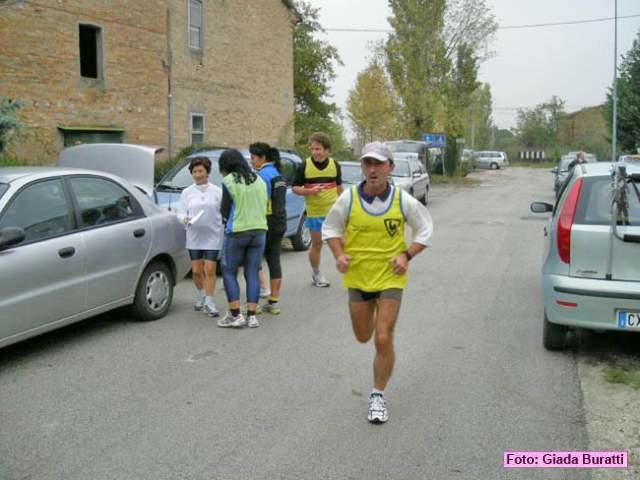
x=319, y=180
x=365, y=230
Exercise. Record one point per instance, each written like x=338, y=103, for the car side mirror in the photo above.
x=541, y=207
x=554, y=170
x=416, y=174
x=10, y=236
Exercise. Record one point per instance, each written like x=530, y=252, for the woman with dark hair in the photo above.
x=244, y=209
x=199, y=209
x=266, y=161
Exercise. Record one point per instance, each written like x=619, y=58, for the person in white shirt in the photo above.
x=199, y=210
x=365, y=230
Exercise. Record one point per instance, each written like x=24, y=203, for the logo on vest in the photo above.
x=392, y=225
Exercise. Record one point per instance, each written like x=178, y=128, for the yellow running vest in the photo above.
x=319, y=205
x=372, y=241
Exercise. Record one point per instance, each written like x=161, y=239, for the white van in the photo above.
x=491, y=159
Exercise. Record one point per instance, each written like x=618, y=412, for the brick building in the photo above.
x=158, y=72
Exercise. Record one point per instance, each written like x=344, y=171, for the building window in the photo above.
x=90, y=51
x=195, y=24
x=197, y=128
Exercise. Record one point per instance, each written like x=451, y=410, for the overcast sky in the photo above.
x=574, y=62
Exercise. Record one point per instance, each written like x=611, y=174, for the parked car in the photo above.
x=491, y=159
x=590, y=279
x=137, y=161
x=410, y=175
x=351, y=173
x=410, y=149
x=75, y=243
x=561, y=172
x=168, y=191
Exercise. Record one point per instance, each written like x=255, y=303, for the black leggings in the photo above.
x=272, y=248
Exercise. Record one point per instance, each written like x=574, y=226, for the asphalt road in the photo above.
x=179, y=398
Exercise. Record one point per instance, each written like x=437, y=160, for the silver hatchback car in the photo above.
x=75, y=243
x=591, y=271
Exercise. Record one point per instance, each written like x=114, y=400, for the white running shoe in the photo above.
x=319, y=280
x=226, y=321
x=239, y=321
x=377, y=409
x=211, y=310
x=199, y=305
x=253, y=322
x=264, y=292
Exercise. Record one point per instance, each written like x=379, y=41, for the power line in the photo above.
x=506, y=27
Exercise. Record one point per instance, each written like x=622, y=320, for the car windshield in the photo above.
x=410, y=147
x=351, y=173
x=401, y=169
x=564, y=163
x=3, y=188
x=181, y=178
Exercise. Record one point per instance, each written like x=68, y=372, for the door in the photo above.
x=420, y=180
x=294, y=203
x=117, y=235
x=42, y=278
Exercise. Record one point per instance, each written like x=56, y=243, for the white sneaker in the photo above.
x=319, y=280
x=253, y=322
x=211, y=310
x=239, y=321
x=226, y=321
x=199, y=305
x=264, y=292
x=377, y=409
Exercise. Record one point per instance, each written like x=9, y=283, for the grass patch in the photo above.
x=623, y=376
x=547, y=164
x=455, y=180
x=7, y=161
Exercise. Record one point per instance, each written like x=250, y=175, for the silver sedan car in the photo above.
x=75, y=243
x=411, y=176
x=591, y=270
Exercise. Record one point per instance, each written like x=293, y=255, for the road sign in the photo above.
x=437, y=140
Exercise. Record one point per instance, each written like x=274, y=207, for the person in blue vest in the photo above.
x=266, y=161
x=365, y=230
x=244, y=213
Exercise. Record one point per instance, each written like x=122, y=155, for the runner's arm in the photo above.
x=420, y=221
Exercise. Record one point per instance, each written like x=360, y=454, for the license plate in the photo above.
x=628, y=320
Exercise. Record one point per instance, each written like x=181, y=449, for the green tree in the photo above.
x=478, y=119
x=628, y=137
x=433, y=57
x=8, y=120
x=371, y=105
x=540, y=127
x=314, y=62
x=416, y=60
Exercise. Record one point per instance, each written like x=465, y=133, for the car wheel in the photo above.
x=554, y=336
x=425, y=199
x=494, y=166
x=154, y=292
x=302, y=239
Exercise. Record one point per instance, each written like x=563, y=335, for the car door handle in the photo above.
x=67, y=252
x=546, y=233
x=139, y=232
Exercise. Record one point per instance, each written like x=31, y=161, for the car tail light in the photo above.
x=565, y=221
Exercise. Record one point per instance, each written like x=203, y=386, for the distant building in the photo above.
x=587, y=130
x=157, y=72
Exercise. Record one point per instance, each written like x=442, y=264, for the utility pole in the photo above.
x=614, y=127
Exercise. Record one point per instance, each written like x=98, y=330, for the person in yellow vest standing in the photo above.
x=319, y=180
x=365, y=230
